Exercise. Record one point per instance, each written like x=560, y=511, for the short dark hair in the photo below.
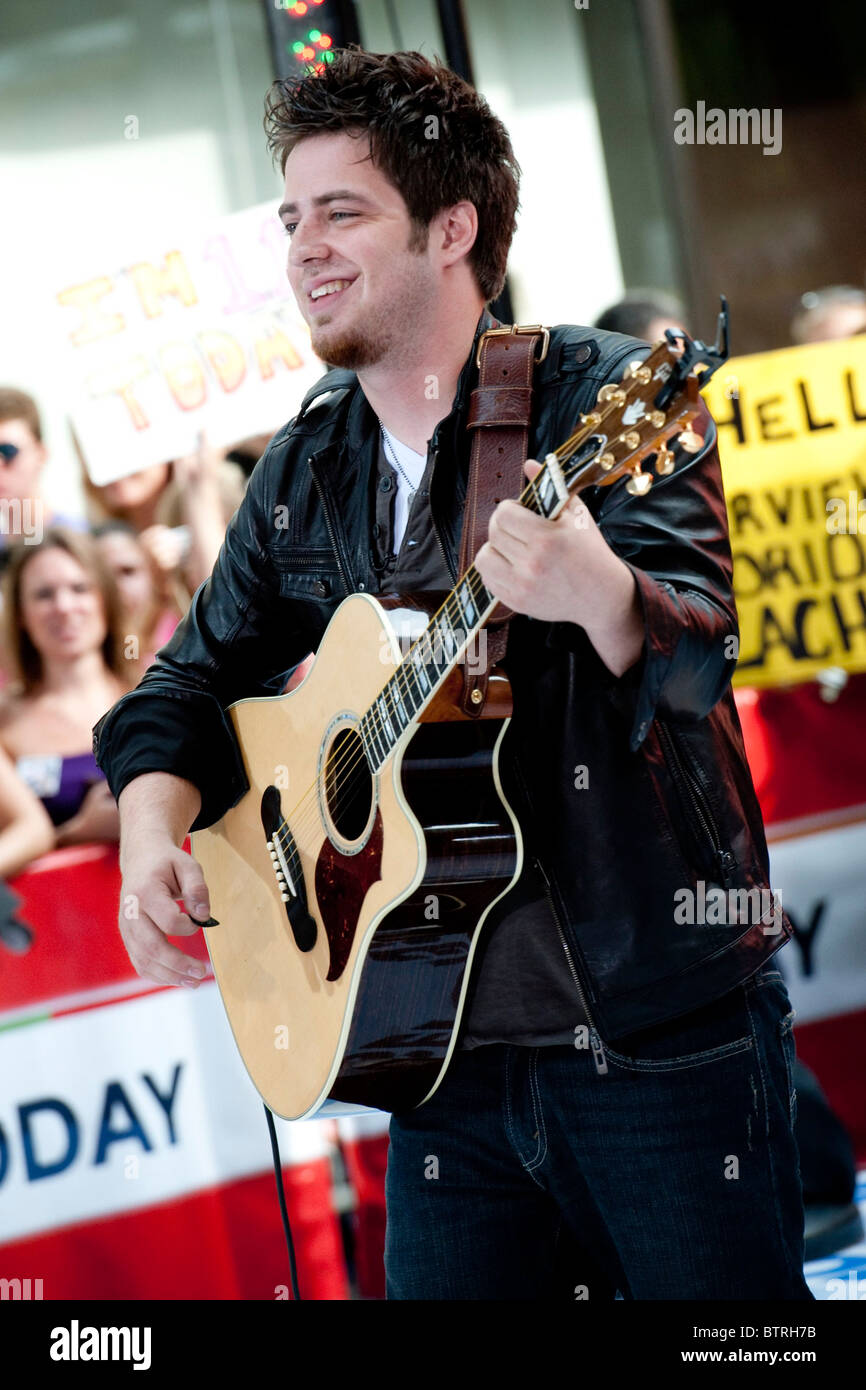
x=431, y=134
x=17, y=405
x=634, y=313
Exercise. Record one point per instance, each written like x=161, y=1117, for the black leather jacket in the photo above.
x=666, y=801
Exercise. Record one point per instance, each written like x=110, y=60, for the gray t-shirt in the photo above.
x=521, y=989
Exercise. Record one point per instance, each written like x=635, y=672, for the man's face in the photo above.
x=356, y=244
x=19, y=476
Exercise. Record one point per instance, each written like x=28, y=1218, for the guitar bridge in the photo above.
x=288, y=871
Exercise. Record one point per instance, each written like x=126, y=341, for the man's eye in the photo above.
x=289, y=227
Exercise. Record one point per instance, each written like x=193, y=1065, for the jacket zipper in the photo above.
x=695, y=793
x=304, y=559
x=598, y=1053
x=448, y=565
x=326, y=508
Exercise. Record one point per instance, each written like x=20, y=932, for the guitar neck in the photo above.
x=452, y=631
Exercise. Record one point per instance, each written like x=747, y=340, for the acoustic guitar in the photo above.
x=352, y=880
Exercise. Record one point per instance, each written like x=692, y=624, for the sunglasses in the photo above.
x=8, y=452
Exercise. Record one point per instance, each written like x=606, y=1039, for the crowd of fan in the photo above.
x=88, y=600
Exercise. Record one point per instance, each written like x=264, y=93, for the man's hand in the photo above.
x=153, y=878
x=564, y=571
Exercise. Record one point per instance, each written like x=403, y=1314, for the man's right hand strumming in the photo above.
x=156, y=811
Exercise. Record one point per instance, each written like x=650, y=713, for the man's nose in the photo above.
x=308, y=244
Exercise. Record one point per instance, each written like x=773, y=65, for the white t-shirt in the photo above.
x=413, y=466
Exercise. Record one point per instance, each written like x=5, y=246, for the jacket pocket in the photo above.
x=697, y=819
x=308, y=573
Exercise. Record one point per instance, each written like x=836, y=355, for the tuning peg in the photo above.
x=631, y=439
x=690, y=441
x=656, y=418
x=639, y=484
x=611, y=394
x=664, y=462
x=638, y=372
x=592, y=419
x=606, y=461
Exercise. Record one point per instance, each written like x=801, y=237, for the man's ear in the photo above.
x=454, y=230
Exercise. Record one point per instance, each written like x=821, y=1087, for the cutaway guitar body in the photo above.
x=349, y=899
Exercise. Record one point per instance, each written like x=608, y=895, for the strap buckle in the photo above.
x=516, y=328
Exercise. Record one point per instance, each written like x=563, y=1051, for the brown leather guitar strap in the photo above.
x=499, y=415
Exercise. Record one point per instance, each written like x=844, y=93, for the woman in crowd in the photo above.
x=179, y=509
x=26, y=831
x=150, y=612
x=61, y=612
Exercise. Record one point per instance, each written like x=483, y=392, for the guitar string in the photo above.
x=306, y=805
x=305, y=811
x=350, y=785
x=359, y=760
x=337, y=771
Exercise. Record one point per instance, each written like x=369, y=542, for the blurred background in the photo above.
x=127, y=131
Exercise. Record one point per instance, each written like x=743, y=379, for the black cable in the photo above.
x=284, y=1213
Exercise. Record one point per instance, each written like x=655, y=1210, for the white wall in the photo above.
x=78, y=195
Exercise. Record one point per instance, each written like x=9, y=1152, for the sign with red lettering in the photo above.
x=203, y=334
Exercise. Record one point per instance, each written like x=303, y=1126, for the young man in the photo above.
x=659, y=1161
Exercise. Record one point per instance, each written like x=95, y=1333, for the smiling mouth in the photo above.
x=327, y=294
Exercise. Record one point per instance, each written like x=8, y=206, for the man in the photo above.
x=643, y=314
x=656, y=1156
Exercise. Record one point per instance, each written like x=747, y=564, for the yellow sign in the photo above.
x=792, y=441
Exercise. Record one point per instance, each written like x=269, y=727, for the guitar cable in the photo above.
x=284, y=1212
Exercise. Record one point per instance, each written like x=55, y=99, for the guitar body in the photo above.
x=400, y=868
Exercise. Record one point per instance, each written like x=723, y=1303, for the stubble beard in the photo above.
x=383, y=331
x=352, y=348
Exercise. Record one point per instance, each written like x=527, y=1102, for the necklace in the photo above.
x=393, y=459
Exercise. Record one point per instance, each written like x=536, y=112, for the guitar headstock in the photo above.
x=651, y=410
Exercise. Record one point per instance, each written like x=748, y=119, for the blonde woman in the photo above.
x=63, y=635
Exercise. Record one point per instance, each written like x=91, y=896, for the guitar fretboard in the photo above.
x=435, y=653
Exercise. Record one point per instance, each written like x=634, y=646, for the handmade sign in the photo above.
x=792, y=441
x=202, y=334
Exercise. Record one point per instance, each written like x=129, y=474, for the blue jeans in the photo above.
x=672, y=1175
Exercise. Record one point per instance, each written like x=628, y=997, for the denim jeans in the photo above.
x=530, y=1174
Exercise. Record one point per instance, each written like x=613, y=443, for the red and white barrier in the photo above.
x=134, y=1152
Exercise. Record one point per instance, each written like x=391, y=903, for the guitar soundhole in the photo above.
x=348, y=785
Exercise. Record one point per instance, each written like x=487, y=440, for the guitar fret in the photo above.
x=374, y=740
x=397, y=703
x=419, y=670
x=386, y=733
x=467, y=601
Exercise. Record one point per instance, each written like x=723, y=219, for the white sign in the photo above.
x=203, y=334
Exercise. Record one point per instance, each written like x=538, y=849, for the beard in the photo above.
x=352, y=348
x=384, y=331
